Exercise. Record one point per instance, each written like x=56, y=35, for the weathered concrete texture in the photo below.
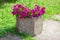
x=30, y=26
x=51, y=31
x=11, y=37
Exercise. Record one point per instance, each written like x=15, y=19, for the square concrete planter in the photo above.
x=32, y=26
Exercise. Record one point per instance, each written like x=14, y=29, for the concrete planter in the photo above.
x=32, y=26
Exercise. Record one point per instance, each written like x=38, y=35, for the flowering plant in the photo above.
x=24, y=12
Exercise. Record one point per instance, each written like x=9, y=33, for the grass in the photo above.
x=8, y=21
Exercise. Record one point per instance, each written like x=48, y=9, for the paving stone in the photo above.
x=11, y=37
x=51, y=31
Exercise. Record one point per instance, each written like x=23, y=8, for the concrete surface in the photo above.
x=51, y=31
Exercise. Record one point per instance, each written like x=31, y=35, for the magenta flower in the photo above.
x=23, y=14
x=33, y=12
x=14, y=13
x=37, y=8
x=42, y=11
x=26, y=12
x=20, y=6
x=20, y=17
x=15, y=7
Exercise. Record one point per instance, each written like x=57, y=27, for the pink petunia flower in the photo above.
x=37, y=7
x=26, y=12
x=33, y=12
x=14, y=13
x=42, y=11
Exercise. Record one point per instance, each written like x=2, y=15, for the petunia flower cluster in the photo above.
x=24, y=12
